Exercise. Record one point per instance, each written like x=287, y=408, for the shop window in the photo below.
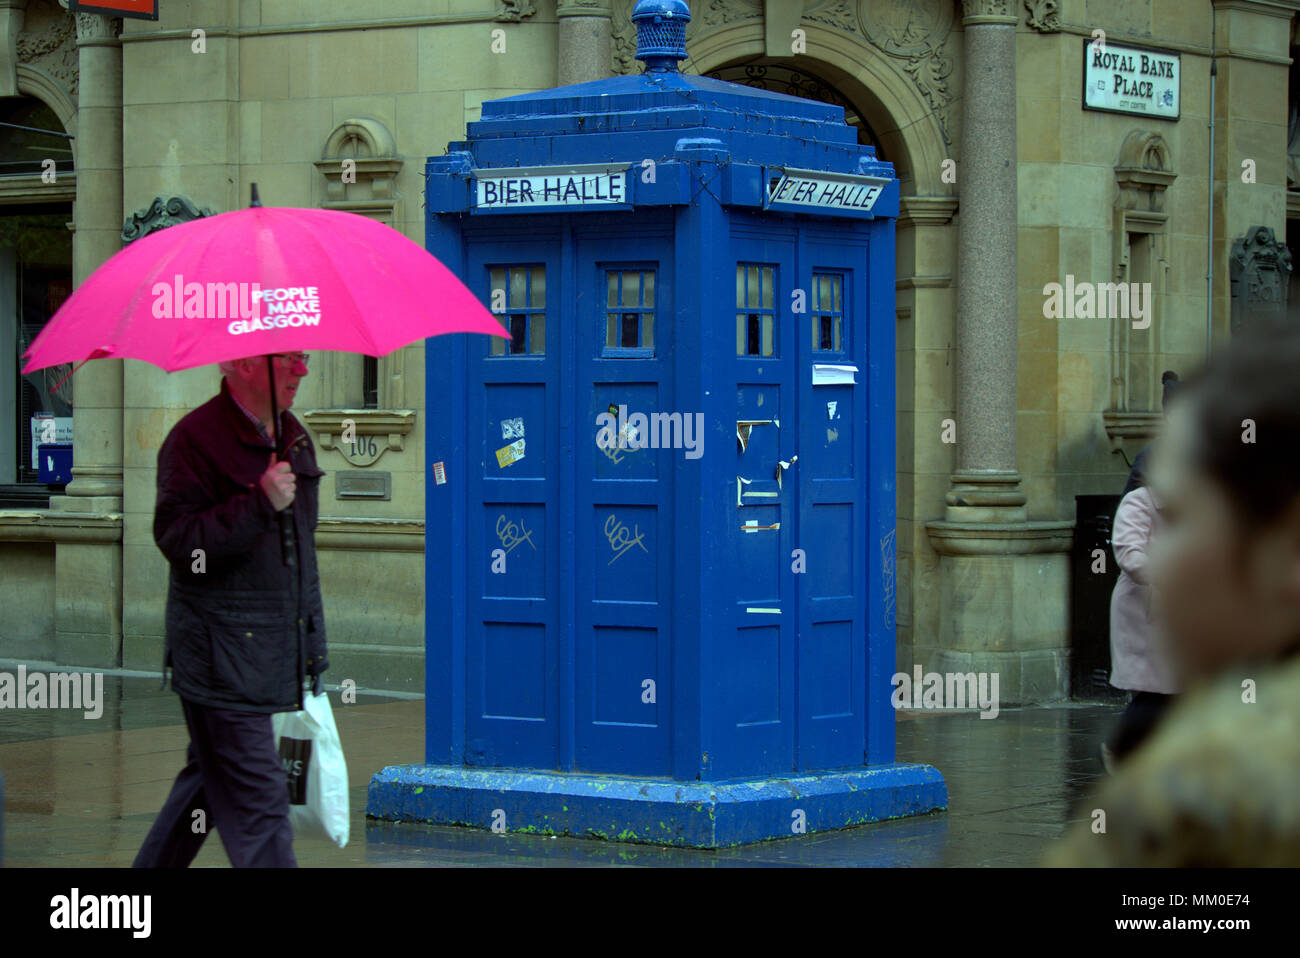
x=629, y=312
x=35, y=280
x=755, y=309
x=828, y=313
x=518, y=300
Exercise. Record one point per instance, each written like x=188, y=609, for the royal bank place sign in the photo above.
x=1124, y=79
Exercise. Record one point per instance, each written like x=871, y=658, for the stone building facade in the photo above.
x=1005, y=413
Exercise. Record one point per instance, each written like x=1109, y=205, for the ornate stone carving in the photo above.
x=92, y=26
x=582, y=8
x=1260, y=268
x=512, y=11
x=718, y=12
x=622, y=37
x=916, y=31
x=840, y=14
x=33, y=45
x=49, y=43
x=987, y=8
x=1043, y=16
x=376, y=431
x=161, y=214
x=906, y=28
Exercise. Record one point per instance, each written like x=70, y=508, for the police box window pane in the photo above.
x=828, y=319
x=629, y=319
x=756, y=317
x=518, y=288
x=537, y=287
x=523, y=290
x=537, y=334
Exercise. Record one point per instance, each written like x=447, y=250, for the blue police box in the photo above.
x=660, y=516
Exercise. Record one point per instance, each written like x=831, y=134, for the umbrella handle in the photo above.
x=286, y=514
x=286, y=536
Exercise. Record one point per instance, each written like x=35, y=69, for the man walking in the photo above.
x=244, y=627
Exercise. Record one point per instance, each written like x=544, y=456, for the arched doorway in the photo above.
x=797, y=81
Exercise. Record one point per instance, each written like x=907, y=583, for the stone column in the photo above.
x=97, y=386
x=584, y=41
x=88, y=599
x=986, y=484
x=1003, y=583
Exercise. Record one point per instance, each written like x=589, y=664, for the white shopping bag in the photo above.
x=312, y=756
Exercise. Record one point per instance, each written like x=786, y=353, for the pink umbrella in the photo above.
x=257, y=281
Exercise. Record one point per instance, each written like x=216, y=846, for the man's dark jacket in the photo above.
x=237, y=636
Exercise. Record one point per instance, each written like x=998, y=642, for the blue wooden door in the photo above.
x=833, y=432
x=754, y=656
x=514, y=545
x=630, y=438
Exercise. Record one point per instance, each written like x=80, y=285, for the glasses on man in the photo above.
x=292, y=359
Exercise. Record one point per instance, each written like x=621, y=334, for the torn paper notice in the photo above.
x=512, y=428
x=827, y=374
x=511, y=453
x=751, y=525
x=781, y=467
x=830, y=409
x=738, y=482
x=743, y=426
x=440, y=473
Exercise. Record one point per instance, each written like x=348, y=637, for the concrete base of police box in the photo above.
x=653, y=811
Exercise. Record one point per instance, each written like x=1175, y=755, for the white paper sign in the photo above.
x=48, y=428
x=826, y=374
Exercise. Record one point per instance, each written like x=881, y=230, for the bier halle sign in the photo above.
x=528, y=189
x=807, y=191
x=1124, y=79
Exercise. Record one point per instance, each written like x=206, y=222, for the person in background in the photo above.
x=1218, y=782
x=1140, y=662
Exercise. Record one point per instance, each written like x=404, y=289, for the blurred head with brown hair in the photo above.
x=1225, y=567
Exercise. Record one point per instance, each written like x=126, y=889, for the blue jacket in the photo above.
x=238, y=636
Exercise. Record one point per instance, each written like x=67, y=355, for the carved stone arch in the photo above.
x=882, y=91
x=360, y=137
x=372, y=154
x=1144, y=149
x=38, y=83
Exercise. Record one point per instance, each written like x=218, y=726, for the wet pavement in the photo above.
x=83, y=793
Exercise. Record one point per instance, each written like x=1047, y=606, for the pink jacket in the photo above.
x=1139, y=659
